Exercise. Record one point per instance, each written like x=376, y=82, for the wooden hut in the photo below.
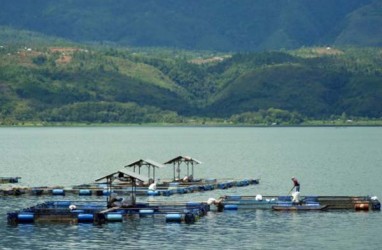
x=187, y=160
x=150, y=164
x=124, y=175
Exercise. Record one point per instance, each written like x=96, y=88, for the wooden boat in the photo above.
x=300, y=208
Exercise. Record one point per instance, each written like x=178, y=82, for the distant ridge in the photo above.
x=230, y=25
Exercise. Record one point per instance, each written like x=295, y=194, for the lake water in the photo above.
x=327, y=161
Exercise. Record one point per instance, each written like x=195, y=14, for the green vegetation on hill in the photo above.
x=97, y=84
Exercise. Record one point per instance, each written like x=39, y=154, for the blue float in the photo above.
x=25, y=218
x=114, y=217
x=146, y=212
x=85, y=192
x=152, y=192
x=58, y=192
x=230, y=207
x=106, y=192
x=173, y=218
x=85, y=218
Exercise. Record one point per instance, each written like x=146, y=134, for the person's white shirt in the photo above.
x=153, y=186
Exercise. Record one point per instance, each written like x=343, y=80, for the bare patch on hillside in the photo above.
x=215, y=59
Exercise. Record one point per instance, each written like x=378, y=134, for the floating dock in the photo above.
x=284, y=203
x=103, y=190
x=75, y=212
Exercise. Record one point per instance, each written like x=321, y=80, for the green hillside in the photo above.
x=77, y=84
x=315, y=82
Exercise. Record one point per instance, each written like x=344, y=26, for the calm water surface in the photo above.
x=327, y=161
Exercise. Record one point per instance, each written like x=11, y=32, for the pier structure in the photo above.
x=124, y=188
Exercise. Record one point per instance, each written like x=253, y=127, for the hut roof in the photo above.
x=127, y=174
x=146, y=162
x=186, y=159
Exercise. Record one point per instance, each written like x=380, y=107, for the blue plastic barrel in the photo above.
x=105, y=192
x=152, y=192
x=114, y=217
x=85, y=192
x=146, y=212
x=85, y=218
x=25, y=218
x=58, y=192
x=230, y=207
x=173, y=218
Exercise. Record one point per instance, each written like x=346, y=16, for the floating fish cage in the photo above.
x=74, y=212
x=284, y=203
x=171, y=188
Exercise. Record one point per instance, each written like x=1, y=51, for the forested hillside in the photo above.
x=93, y=84
x=229, y=25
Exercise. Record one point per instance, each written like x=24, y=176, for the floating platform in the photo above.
x=167, y=189
x=75, y=212
x=358, y=203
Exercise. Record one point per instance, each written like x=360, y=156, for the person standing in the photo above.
x=296, y=184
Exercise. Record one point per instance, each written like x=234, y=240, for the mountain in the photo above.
x=172, y=61
x=229, y=25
